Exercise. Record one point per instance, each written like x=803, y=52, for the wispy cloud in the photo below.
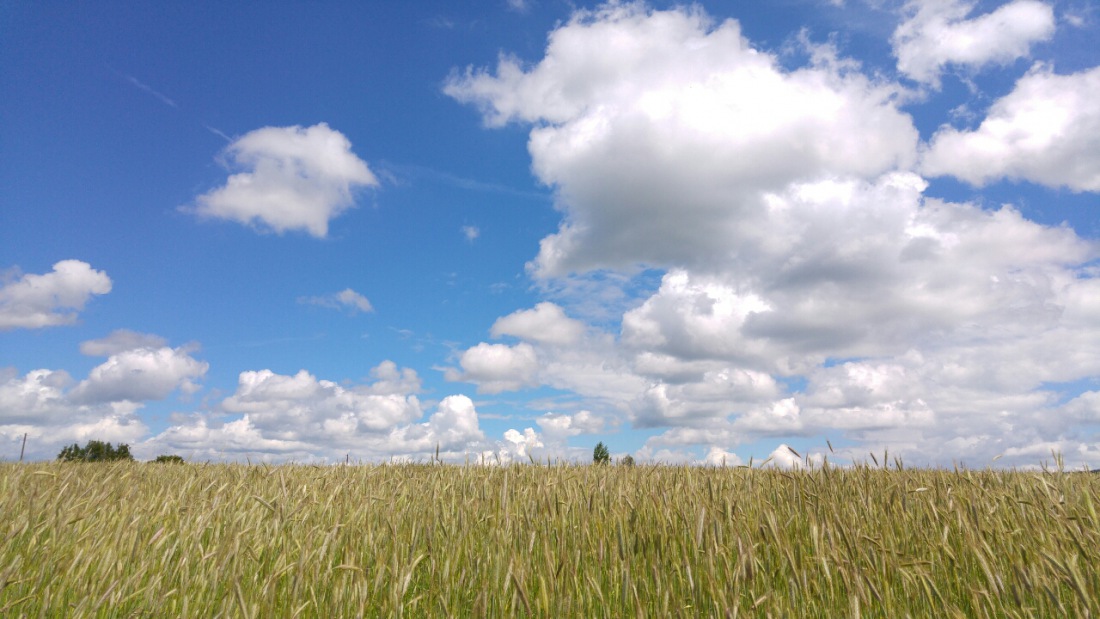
x=520, y=6
x=399, y=171
x=346, y=299
x=471, y=233
x=442, y=22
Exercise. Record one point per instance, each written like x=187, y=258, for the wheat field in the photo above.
x=217, y=540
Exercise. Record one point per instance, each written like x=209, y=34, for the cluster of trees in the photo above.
x=95, y=451
x=98, y=451
x=601, y=455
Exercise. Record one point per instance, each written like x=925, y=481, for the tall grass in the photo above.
x=121, y=540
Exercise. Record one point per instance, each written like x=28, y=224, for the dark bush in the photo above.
x=169, y=459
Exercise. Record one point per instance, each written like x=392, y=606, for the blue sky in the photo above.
x=509, y=230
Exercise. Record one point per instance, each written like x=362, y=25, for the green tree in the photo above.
x=627, y=460
x=600, y=455
x=169, y=459
x=95, y=451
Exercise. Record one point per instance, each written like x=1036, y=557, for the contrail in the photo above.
x=146, y=88
x=165, y=99
x=217, y=132
x=149, y=89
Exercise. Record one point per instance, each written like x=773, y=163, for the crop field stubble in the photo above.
x=222, y=540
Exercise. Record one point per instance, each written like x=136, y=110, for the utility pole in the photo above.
x=24, y=448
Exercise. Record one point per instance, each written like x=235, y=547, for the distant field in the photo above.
x=121, y=540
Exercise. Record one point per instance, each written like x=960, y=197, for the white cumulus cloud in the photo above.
x=498, y=367
x=784, y=457
x=660, y=129
x=520, y=446
x=1047, y=130
x=557, y=427
x=34, y=301
x=141, y=374
x=291, y=178
x=281, y=404
x=938, y=33
x=301, y=418
x=545, y=324
x=716, y=456
x=53, y=409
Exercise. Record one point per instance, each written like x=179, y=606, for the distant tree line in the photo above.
x=99, y=451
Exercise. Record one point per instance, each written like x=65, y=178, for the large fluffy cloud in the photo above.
x=141, y=374
x=810, y=286
x=303, y=404
x=559, y=426
x=498, y=367
x=937, y=33
x=52, y=410
x=301, y=417
x=35, y=301
x=546, y=324
x=38, y=404
x=660, y=129
x=292, y=178
x=1047, y=130
x=865, y=270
